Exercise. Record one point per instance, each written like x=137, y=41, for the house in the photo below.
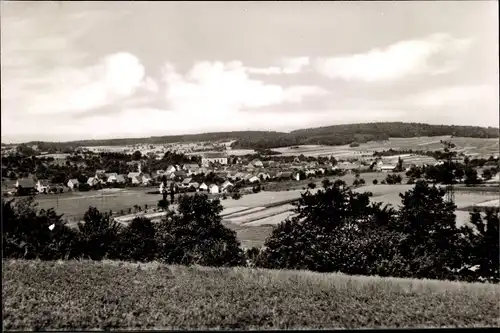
x=73, y=183
x=170, y=169
x=214, y=158
x=146, y=179
x=186, y=182
x=213, y=189
x=257, y=163
x=120, y=179
x=180, y=175
x=203, y=187
x=43, y=186
x=193, y=168
x=263, y=175
x=285, y=174
x=194, y=185
x=249, y=167
x=100, y=174
x=226, y=185
x=253, y=179
x=111, y=177
x=93, y=181
x=26, y=184
x=385, y=168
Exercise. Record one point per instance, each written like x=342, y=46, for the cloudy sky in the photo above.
x=82, y=70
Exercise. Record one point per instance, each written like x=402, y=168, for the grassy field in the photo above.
x=113, y=295
x=470, y=146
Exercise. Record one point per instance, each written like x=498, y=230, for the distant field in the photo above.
x=472, y=146
x=83, y=295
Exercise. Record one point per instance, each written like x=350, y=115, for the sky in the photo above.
x=93, y=70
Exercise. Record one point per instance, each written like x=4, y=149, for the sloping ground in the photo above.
x=114, y=295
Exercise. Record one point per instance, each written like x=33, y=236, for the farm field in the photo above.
x=115, y=295
x=470, y=146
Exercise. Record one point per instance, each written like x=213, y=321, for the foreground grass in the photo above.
x=114, y=295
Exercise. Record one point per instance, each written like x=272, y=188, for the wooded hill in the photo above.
x=329, y=135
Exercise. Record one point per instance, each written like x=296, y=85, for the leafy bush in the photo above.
x=375, y=182
x=393, y=179
x=236, y=195
x=31, y=234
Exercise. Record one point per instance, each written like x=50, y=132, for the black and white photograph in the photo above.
x=249, y=165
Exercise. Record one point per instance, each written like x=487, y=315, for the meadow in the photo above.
x=85, y=295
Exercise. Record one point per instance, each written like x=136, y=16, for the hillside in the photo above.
x=330, y=135
x=82, y=295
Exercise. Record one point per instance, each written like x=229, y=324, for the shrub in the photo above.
x=311, y=185
x=375, y=182
x=30, y=234
x=236, y=195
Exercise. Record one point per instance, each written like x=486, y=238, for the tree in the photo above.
x=375, y=182
x=429, y=223
x=98, y=235
x=312, y=186
x=163, y=204
x=482, y=245
x=136, y=156
x=137, y=241
x=195, y=235
x=487, y=174
x=471, y=176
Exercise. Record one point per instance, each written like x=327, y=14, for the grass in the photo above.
x=115, y=295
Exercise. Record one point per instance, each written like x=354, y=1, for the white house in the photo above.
x=214, y=158
x=146, y=179
x=225, y=185
x=93, y=181
x=213, y=189
x=43, y=186
x=386, y=167
x=257, y=163
x=112, y=177
x=170, y=169
x=72, y=183
x=253, y=179
x=203, y=187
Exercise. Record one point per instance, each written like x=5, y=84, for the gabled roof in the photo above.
x=26, y=182
x=74, y=181
x=133, y=174
x=120, y=178
x=187, y=180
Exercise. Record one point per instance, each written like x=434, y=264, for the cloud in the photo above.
x=437, y=54
x=288, y=66
x=226, y=87
x=79, y=90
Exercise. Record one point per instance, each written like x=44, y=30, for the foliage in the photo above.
x=393, y=179
x=137, y=241
x=98, y=235
x=29, y=233
x=375, y=182
x=236, y=195
x=195, y=235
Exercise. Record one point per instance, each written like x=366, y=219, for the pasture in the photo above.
x=86, y=295
x=469, y=146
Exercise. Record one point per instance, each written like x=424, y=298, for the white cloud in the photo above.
x=219, y=87
x=436, y=54
x=78, y=90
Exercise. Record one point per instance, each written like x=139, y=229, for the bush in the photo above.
x=32, y=234
x=375, y=182
x=311, y=186
x=236, y=195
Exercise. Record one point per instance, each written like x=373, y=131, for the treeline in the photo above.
x=329, y=135
x=334, y=230
x=361, y=133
